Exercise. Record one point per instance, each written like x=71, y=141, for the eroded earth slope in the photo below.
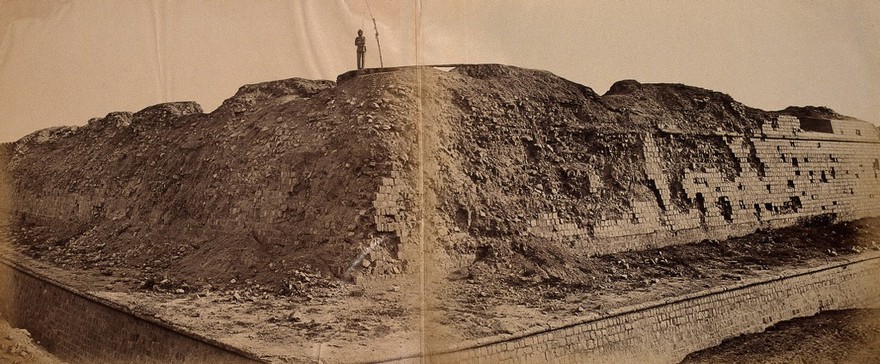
x=487, y=198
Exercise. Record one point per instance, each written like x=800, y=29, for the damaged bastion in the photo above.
x=482, y=159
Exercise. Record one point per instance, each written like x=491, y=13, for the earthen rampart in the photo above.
x=505, y=154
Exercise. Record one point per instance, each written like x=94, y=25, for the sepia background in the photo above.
x=63, y=62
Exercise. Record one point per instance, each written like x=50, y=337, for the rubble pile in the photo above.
x=277, y=179
x=514, y=142
x=487, y=167
x=18, y=347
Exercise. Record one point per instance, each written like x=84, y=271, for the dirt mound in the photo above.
x=313, y=176
x=511, y=142
x=17, y=347
x=250, y=95
x=813, y=112
x=279, y=178
x=682, y=108
x=847, y=336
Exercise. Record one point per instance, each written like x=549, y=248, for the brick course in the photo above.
x=668, y=330
x=79, y=328
x=799, y=174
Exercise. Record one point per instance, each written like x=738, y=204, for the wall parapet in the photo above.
x=81, y=328
x=665, y=331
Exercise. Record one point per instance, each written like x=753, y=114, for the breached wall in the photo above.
x=281, y=177
x=782, y=175
x=299, y=174
x=534, y=171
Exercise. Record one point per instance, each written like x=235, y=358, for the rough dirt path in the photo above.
x=379, y=319
x=488, y=298
x=848, y=336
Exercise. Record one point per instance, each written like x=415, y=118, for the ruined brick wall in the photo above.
x=782, y=175
x=281, y=167
x=395, y=217
x=666, y=331
x=82, y=329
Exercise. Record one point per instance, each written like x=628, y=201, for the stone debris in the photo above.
x=287, y=181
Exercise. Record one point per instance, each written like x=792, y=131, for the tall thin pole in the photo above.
x=376, y=28
x=378, y=46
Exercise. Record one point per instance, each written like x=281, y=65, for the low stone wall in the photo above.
x=665, y=332
x=79, y=328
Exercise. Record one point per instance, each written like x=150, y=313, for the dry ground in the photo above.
x=848, y=336
x=383, y=318
x=488, y=298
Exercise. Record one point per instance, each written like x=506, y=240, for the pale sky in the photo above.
x=63, y=62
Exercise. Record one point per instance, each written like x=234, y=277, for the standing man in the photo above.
x=361, y=44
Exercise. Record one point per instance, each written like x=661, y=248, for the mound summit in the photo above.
x=479, y=167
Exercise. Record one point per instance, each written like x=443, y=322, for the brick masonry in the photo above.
x=79, y=328
x=784, y=173
x=668, y=330
x=83, y=329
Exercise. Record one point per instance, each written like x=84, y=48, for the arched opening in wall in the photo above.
x=758, y=211
x=823, y=178
x=726, y=208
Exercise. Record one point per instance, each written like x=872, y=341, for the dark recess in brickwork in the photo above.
x=817, y=125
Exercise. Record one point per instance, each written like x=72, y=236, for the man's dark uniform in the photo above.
x=361, y=44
